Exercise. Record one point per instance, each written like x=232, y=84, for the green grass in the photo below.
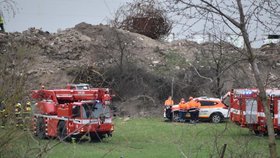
x=152, y=138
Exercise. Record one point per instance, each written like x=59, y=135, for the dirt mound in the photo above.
x=140, y=70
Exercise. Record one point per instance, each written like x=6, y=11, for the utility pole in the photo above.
x=172, y=84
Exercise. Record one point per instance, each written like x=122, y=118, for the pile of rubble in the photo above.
x=69, y=44
x=58, y=58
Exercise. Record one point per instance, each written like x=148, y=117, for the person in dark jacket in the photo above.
x=2, y=23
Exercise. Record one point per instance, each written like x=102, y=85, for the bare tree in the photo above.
x=13, y=79
x=214, y=60
x=245, y=19
x=8, y=7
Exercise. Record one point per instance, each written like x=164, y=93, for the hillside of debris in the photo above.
x=141, y=71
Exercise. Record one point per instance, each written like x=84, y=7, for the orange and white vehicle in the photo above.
x=212, y=109
x=246, y=109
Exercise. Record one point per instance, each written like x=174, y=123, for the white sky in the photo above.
x=51, y=15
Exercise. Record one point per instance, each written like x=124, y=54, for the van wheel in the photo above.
x=175, y=116
x=216, y=118
x=61, y=131
x=257, y=132
x=41, y=128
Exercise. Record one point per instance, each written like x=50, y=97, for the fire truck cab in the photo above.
x=66, y=113
x=80, y=86
x=246, y=109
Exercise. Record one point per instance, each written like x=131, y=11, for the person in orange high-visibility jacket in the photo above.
x=169, y=101
x=183, y=106
x=167, y=107
x=194, y=107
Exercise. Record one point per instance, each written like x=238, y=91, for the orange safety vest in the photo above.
x=183, y=106
x=194, y=104
x=168, y=102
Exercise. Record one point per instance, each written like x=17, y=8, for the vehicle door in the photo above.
x=207, y=108
x=251, y=111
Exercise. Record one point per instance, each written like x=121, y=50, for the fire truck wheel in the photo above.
x=257, y=132
x=260, y=133
x=216, y=118
x=95, y=137
x=41, y=128
x=61, y=131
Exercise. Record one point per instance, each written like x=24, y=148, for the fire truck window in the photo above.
x=98, y=110
x=207, y=103
x=76, y=111
x=94, y=110
x=107, y=111
x=86, y=111
x=72, y=87
x=82, y=87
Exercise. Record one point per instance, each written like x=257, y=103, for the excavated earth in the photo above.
x=140, y=71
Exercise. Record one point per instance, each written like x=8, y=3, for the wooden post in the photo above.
x=223, y=151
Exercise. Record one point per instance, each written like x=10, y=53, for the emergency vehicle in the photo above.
x=72, y=112
x=246, y=109
x=212, y=109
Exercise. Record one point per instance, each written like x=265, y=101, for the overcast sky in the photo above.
x=51, y=15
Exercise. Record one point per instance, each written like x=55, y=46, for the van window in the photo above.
x=208, y=103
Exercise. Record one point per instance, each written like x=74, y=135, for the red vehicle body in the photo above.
x=72, y=112
x=246, y=109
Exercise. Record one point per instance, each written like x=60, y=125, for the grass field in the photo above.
x=152, y=138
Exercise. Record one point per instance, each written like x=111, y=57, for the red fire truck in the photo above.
x=72, y=112
x=246, y=109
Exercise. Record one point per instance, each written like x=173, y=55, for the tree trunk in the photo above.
x=260, y=85
x=269, y=122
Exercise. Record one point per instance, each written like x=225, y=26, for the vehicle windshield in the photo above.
x=94, y=110
x=83, y=87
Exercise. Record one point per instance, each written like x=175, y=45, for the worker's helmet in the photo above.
x=190, y=98
x=18, y=105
